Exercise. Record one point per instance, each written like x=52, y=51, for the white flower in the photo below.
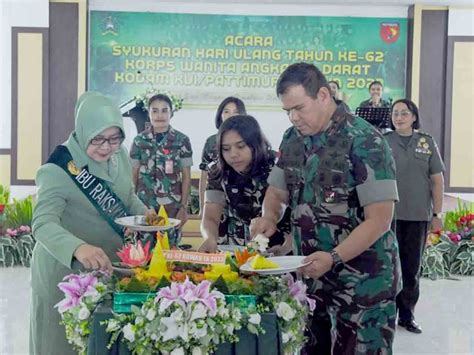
x=197, y=332
x=197, y=351
x=236, y=315
x=151, y=314
x=171, y=327
x=199, y=311
x=285, y=338
x=129, y=333
x=260, y=242
x=285, y=311
x=174, y=328
x=223, y=312
x=112, y=325
x=84, y=313
x=230, y=328
x=255, y=318
x=178, y=351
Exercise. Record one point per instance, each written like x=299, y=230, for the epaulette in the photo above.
x=424, y=134
x=289, y=132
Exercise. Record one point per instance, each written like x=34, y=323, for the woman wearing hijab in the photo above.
x=85, y=184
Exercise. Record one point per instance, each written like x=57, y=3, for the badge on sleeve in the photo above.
x=169, y=167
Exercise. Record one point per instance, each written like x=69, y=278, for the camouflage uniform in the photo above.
x=243, y=196
x=330, y=177
x=161, y=158
x=209, y=156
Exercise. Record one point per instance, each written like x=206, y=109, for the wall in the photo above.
x=452, y=129
x=30, y=18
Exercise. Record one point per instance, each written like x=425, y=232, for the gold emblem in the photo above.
x=426, y=145
x=422, y=139
x=72, y=167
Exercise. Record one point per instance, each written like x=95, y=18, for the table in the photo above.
x=249, y=344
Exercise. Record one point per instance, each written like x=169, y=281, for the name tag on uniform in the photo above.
x=169, y=167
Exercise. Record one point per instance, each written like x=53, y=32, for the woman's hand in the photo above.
x=436, y=224
x=182, y=215
x=209, y=246
x=93, y=257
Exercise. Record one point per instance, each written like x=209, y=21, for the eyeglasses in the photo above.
x=405, y=113
x=114, y=140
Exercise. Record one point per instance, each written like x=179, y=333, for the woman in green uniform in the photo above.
x=84, y=186
x=420, y=186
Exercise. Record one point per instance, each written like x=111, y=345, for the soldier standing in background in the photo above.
x=162, y=159
x=420, y=183
x=337, y=174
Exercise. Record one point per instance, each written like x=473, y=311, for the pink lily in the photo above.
x=76, y=287
x=186, y=292
x=298, y=291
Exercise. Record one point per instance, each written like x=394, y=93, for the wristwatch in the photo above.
x=437, y=215
x=337, y=263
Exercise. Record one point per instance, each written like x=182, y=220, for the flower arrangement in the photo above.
x=183, y=318
x=83, y=293
x=289, y=300
x=143, y=98
x=176, y=307
x=16, y=240
x=451, y=251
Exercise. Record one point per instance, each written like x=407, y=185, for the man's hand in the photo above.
x=262, y=225
x=93, y=257
x=321, y=262
x=284, y=249
x=209, y=246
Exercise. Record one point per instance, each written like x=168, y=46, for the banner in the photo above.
x=204, y=58
x=194, y=257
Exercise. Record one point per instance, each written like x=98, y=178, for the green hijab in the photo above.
x=94, y=113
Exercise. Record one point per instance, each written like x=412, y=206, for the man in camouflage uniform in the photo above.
x=337, y=174
x=161, y=162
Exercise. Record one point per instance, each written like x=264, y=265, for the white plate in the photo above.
x=287, y=264
x=230, y=248
x=129, y=222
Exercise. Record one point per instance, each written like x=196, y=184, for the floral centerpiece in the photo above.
x=82, y=293
x=188, y=308
x=183, y=318
x=451, y=251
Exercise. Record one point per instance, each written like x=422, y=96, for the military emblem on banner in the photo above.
x=389, y=31
x=110, y=26
x=72, y=167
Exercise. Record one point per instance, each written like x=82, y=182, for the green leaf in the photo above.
x=221, y=285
